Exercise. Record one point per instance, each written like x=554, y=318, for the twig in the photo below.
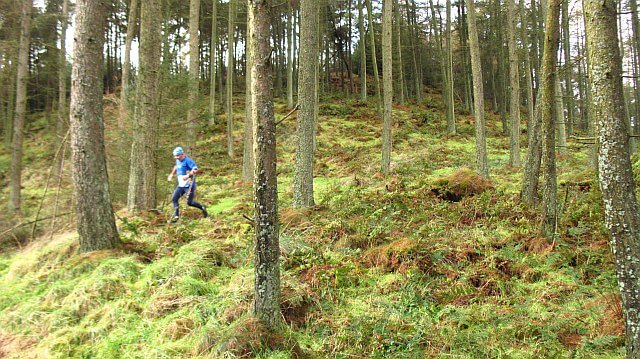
x=55, y=206
x=248, y=219
x=289, y=114
x=46, y=186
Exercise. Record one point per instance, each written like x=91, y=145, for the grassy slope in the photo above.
x=381, y=268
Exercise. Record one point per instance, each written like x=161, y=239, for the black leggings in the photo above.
x=181, y=191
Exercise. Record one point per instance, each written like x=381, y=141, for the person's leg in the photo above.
x=179, y=191
x=191, y=202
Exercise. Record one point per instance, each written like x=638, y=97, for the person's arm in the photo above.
x=170, y=176
x=193, y=166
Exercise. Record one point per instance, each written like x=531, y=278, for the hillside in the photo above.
x=430, y=261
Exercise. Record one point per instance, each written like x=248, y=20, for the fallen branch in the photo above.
x=248, y=219
x=30, y=222
x=289, y=114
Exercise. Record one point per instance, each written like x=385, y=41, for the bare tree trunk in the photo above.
x=142, y=172
x=303, y=175
x=451, y=115
x=247, y=156
x=482, y=165
x=194, y=73
x=126, y=68
x=387, y=73
x=96, y=221
x=212, y=62
x=397, y=30
x=622, y=213
x=527, y=69
x=289, y=56
x=413, y=39
x=374, y=60
x=549, y=58
x=363, y=53
x=560, y=120
x=266, y=304
x=514, y=76
x=568, y=69
x=230, y=52
x=61, y=123
x=21, y=107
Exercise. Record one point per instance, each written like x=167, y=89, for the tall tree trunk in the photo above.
x=374, y=60
x=363, y=53
x=635, y=26
x=397, y=30
x=142, y=172
x=212, y=62
x=514, y=77
x=531, y=175
x=482, y=165
x=568, y=69
x=560, y=120
x=61, y=123
x=96, y=221
x=11, y=98
x=266, y=304
x=622, y=213
x=126, y=68
x=549, y=58
x=303, y=175
x=247, y=155
x=230, y=51
x=289, y=56
x=387, y=73
x=451, y=116
x=194, y=73
x=443, y=68
x=413, y=39
x=527, y=69
x=21, y=107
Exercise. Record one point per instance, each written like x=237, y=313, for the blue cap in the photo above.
x=178, y=151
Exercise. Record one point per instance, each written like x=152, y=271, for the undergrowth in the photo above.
x=381, y=267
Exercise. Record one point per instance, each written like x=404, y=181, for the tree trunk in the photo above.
x=142, y=173
x=530, y=180
x=247, y=155
x=374, y=60
x=212, y=62
x=482, y=165
x=549, y=58
x=266, y=304
x=194, y=73
x=397, y=30
x=21, y=107
x=514, y=77
x=568, y=69
x=230, y=51
x=96, y=221
x=126, y=68
x=61, y=123
x=289, y=56
x=560, y=120
x=451, y=116
x=363, y=53
x=413, y=39
x=387, y=73
x=622, y=213
x=303, y=175
x=527, y=69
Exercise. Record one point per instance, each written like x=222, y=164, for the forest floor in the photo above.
x=429, y=261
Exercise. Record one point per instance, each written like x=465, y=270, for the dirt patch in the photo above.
x=12, y=345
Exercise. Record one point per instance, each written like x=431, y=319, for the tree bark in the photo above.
x=622, y=213
x=96, y=222
x=126, y=67
x=289, y=56
x=387, y=73
x=397, y=30
x=212, y=62
x=451, y=115
x=194, y=73
x=21, y=107
x=514, y=77
x=247, y=155
x=142, y=172
x=549, y=58
x=482, y=165
x=568, y=68
x=363, y=53
x=266, y=304
x=303, y=174
x=61, y=123
x=374, y=60
x=230, y=51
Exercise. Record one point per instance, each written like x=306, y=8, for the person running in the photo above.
x=185, y=170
